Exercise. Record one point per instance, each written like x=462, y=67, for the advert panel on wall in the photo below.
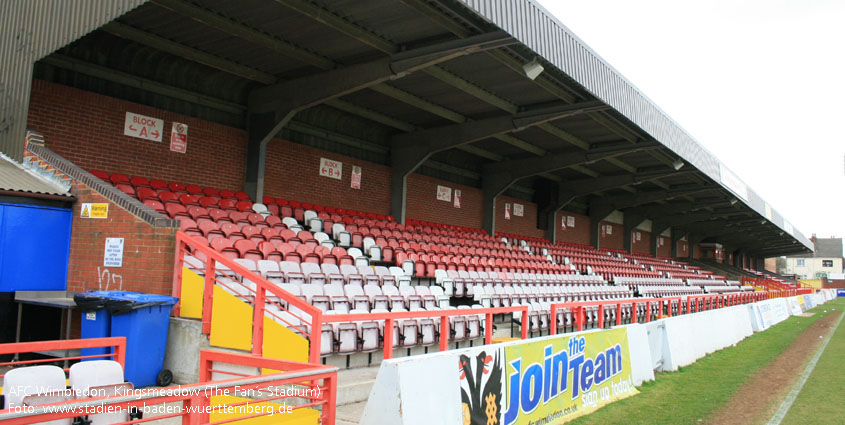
x=548, y=381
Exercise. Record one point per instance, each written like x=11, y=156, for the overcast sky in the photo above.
x=759, y=83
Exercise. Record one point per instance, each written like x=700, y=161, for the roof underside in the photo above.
x=167, y=52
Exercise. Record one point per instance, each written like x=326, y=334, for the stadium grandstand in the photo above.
x=324, y=185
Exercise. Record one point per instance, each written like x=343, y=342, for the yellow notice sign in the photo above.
x=94, y=210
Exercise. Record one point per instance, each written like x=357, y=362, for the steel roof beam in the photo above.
x=108, y=74
x=311, y=90
x=576, y=188
x=410, y=150
x=498, y=177
x=272, y=107
x=160, y=43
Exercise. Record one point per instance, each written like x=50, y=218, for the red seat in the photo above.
x=156, y=205
x=193, y=189
x=207, y=201
x=174, y=210
x=176, y=187
x=227, y=204
x=102, y=175
x=126, y=188
x=242, y=196
x=255, y=218
x=167, y=196
x=188, y=200
x=196, y=212
x=247, y=249
x=158, y=184
x=210, y=191
x=225, y=247
x=227, y=194
x=119, y=178
x=146, y=193
x=139, y=181
x=245, y=206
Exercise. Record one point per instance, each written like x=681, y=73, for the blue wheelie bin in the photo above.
x=144, y=319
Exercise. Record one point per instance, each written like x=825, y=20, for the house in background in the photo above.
x=826, y=259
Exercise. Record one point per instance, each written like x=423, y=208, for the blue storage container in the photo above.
x=144, y=319
x=145, y=326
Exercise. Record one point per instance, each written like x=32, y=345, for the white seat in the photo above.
x=337, y=296
x=292, y=272
x=357, y=297
x=268, y=268
x=260, y=208
x=313, y=272
x=29, y=386
x=290, y=222
x=98, y=378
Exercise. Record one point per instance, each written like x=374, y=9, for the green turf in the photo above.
x=820, y=401
x=696, y=391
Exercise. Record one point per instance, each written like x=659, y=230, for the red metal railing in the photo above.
x=117, y=345
x=693, y=303
x=316, y=384
x=258, y=296
x=444, y=315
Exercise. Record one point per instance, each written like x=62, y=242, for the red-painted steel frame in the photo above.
x=327, y=396
x=117, y=343
x=390, y=318
x=262, y=287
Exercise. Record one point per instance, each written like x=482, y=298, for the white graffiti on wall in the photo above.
x=112, y=281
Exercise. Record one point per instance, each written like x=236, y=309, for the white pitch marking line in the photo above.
x=796, y=389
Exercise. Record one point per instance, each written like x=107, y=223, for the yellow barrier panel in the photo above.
x=191, y=301
x=231, y=322
x=283, y=344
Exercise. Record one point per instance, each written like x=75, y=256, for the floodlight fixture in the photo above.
x=532, y=69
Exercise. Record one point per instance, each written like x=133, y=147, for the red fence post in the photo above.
x=258, y=321
x=488, y=329
x=525, y=323
x=444, y=332
x=601, y=316
x=315, y=339
x=330, y=383
x=208, y=295
x=388, y=338
x=177, y=276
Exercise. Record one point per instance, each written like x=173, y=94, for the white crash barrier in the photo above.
x=692, y=336
x=764, y=314
x=434, y=388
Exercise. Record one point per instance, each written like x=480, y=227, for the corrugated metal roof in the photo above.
x=14, y=177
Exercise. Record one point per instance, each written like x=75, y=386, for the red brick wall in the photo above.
x=422, y=203
x=525, y=225
x=643, y=246
x=147, y=251
x=666, y=249
x=87, y=129
x=579, y=233
x=293, y=173
x=614, y=240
